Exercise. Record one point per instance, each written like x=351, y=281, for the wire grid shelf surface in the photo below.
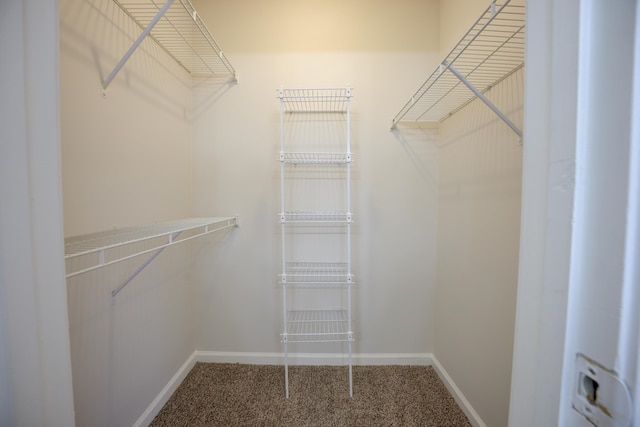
x=333, y=217
x=316, y=273
x=317, y=158
x=315, y=100
x=489, y=52
x=318, y=326
x=96, y=250
x=183, y=35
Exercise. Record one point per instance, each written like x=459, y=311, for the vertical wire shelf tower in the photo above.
x=309, y=118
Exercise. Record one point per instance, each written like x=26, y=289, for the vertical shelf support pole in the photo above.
x=284, y=262
x=135, y=44
x=484, y=99
x=349, y=330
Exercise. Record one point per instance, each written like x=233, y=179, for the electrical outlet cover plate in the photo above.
x=601, y=396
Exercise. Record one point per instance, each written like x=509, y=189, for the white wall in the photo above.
x=547, y=211
x=35, y=371
x=382, y=50
x=479, y=191
x=456, y=18
x=478, y=235
x=126, y=160
x=578, y=275
x=602, y=312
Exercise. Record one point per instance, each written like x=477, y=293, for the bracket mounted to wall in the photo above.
x=484, y=99
x=489, y=52
x=177, y=28
x=93, y=251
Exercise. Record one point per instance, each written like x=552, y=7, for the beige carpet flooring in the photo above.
x=216, y=394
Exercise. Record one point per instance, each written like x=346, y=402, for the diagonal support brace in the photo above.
x=115, y=292
x=232, y=222
x=484, y=99
x=135, y=44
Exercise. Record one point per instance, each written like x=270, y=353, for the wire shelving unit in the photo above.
x=176, y=27
x=330, y=324
x=489, y=52
x=90, y=252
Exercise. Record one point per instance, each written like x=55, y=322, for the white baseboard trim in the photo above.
x=156, y=405
x=314, y=358
x=462, y=401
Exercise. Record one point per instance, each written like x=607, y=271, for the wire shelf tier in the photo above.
x=316, y=158
x=488, y=53
x=333, y=217
x=182, y=34
x=92, y=251
x=318, y=273
x=314, y=100
x=317, y=326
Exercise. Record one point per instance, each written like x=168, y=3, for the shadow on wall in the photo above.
x=487, y=153
x=97, y=34
x=213, y=89
x=420, y=142
x=112, y=339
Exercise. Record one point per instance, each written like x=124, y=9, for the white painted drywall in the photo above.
x=577, y=289
x=126, y=160
x=478, y=236
x=480, y=166
x=456, y=18
x=35, y=371
x=599, y=312
x=318, y=44
x=547, y=211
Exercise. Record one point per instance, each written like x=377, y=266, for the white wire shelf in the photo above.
x=307, y=217
x=316, y=273
x=92, y=251
x=488, y=53
x=177, y=28
x=332, y=100
x=317, y=326
x=315, y=158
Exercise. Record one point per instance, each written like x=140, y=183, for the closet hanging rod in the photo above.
x=177, y=28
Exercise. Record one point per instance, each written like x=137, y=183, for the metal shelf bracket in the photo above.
x=90, y=252
x=178, y=29
x=132, y=276
x=135, y=44
x=483, y=98
x=489, y=52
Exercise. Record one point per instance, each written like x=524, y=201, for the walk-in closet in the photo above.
x=324, y=212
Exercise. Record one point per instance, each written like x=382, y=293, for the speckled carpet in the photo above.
x=220, y=394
